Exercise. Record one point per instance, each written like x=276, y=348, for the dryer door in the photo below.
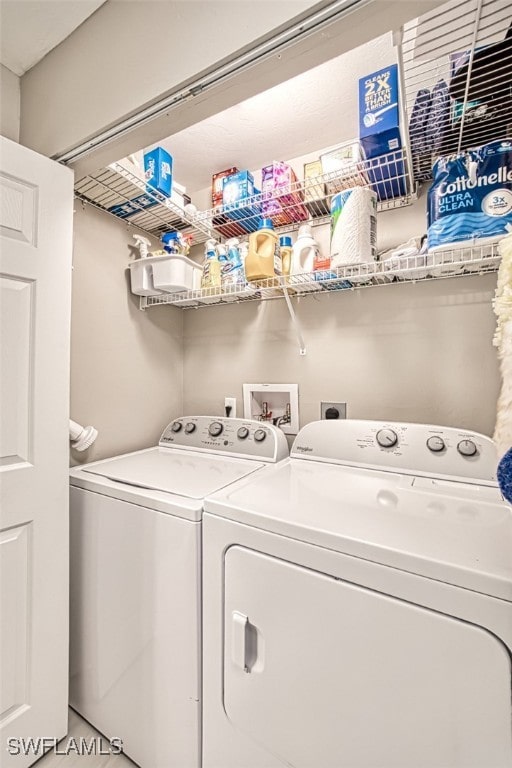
x=321, y=672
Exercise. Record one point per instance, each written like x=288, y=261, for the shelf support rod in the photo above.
x=296, y=324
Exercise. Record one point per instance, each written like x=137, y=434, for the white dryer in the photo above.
x=135, y=647
x=358, y=605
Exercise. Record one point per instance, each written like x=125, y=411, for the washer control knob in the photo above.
x=190, y=427
x=215, y=428
x=467, y=448
x=243, y=433
x=260, y=435
x=387, y=438
x=177, y=426
x=436, y=444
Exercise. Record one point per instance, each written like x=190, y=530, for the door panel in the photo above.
x=324, y=673
x=36, y=207
x=18, y=209
x=15, y=360
x=14, y=583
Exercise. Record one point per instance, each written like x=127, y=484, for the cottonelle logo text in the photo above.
x=81, y=746
x=463, y=183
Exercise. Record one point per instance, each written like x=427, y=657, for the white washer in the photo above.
x=357, y=605
x=135, y=666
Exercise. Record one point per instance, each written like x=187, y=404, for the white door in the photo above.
x=36, y=214
x=324, y=674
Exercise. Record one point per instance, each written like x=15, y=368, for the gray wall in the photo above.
x=105, y=62
x=411, y=352
x=126, y=365
x=10, y=104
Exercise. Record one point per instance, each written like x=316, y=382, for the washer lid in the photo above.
x=455, y=532
x=182, y=473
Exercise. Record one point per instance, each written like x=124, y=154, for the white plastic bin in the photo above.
x=141, y=278
x=164, y=274
x=174, y=273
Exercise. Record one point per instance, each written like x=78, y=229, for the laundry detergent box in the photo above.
x=379, y=132
x=158, y=171
x=282, y=198
x=217, y=185
x=240, y=200
x=343, y=167
x=228, y=227
x=387, y=175
x=236, y=188
x=470, y=199
x=246, y=213
x=315, y=190
x=132, y=207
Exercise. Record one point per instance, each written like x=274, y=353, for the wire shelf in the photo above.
x=471, y=260
x=122, y=193
x=457, y=65
x=309, y=200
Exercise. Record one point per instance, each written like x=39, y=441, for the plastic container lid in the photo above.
x=285, y=241
x=266, y=224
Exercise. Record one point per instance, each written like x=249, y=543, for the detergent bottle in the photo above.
x=222, y=253
x=211, y=266
x=222, y=258
x=232, y=269
x=263, y=259
x=244, y=251
x=305, y=251
x=285, y=244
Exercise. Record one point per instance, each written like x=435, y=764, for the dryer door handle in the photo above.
x=239, y=626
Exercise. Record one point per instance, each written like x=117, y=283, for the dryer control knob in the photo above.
x=176, y=427
x=215, y=428
x=190, y=427
x=387, y=438
x=260, y=435
x=467, y=448
x=436, y=444
x=242, y=433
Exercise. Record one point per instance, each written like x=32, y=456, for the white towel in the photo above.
x=503, y=341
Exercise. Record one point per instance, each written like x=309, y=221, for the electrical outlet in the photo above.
x=333, y=410
x=230, y=402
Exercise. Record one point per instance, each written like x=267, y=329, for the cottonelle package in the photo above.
x=470, y=200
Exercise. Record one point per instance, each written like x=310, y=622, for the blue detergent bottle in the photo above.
x=232, y=268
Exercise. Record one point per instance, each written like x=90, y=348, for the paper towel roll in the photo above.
x=353, y=226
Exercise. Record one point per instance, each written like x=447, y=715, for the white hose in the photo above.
x=81, y=437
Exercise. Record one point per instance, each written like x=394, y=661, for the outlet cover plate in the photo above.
x=341, y=407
